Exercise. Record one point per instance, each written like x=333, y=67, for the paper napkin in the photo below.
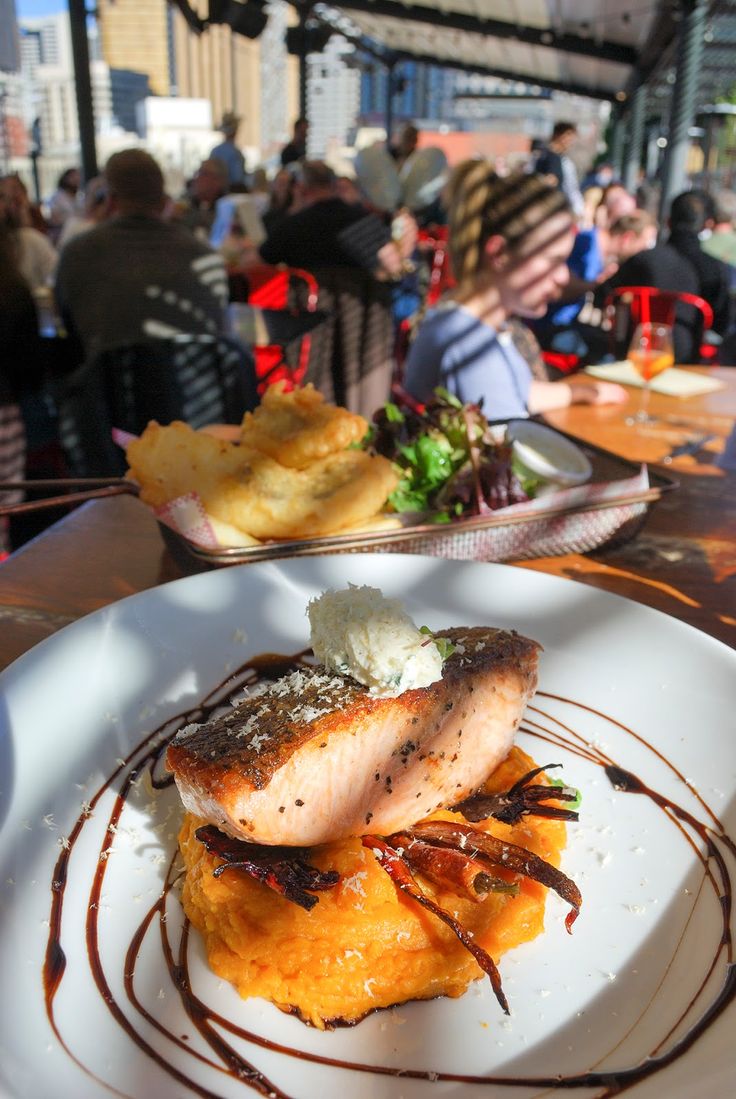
x=671, y=383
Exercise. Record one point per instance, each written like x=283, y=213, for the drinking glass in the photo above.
x=651, y=352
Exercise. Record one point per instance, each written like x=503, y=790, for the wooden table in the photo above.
x=683, y=562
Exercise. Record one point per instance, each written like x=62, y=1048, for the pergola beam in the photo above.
x=494, y=28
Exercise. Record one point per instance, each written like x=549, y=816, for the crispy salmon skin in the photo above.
x=313, y=757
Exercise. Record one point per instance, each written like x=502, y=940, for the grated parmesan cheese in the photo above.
x=360, y=633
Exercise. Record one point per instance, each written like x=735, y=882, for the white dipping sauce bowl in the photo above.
x=546, y=454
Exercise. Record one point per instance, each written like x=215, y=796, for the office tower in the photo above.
x=134, y=35
x=47, y=68
x=12, y=130
x=333, y=98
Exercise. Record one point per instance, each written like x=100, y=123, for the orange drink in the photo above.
x=649, y=363
x=651, y=352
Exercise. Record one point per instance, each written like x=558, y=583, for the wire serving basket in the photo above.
x=609, y=510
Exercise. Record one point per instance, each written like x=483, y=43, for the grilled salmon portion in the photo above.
x=313, y=757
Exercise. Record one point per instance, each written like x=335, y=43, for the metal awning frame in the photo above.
x=495, y=28
x=677, y=37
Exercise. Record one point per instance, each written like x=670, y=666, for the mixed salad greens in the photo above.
x=449, y=461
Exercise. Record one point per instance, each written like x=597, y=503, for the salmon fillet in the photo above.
x=312, y=757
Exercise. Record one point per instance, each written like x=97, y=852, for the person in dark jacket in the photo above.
x=661, y=267
x=554, y=162
x=688, y=215
x=328, y=232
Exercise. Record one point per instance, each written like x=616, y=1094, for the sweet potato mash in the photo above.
x=365, y=945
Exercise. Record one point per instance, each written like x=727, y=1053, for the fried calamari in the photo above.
x=300, y=427
x=249, y=490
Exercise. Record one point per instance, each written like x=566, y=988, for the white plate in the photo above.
x=651, y=694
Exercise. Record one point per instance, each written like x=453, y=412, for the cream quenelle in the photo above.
x=359, y=632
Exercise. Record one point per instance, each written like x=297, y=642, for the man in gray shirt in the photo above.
x=136, y=277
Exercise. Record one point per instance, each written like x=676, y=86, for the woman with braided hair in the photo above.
x=509, y=239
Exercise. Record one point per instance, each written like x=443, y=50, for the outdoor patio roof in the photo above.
x=602, y=49
x=587, y=49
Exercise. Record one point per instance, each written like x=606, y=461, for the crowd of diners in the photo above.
x=533, y=254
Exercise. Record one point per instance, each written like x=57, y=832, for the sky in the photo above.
x=29, y=8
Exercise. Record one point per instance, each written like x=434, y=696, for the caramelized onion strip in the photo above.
x=511, y=805
x=506, y=855
x=281, y=869
x=400, y=875
x=450, y=869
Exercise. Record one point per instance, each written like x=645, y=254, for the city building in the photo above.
x=47, y=67
x=128, y=89
x=333, y=98
x=178, y=132
x=136, y=35
x=254, y=78
x=13, y=135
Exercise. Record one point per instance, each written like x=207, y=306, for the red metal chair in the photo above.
x=565, y=362
x=286, y=288
x=629, y=305
x=434, y=243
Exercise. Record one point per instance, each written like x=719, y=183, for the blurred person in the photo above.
x=648, y=194
x=328, y=232
x=406, y=144
x=600, y=176
x=64, y=203
x=554, y=162
x=96, y=209
x=259, y=189
x=37, y=257
x=20, y=367
x=26, y=213
x=591, y=201
x=228, y=152
x=296, y=149
x=137, y=277
x=689, y=215
x=197, y=210
x=644, y=262
x=574, y=326
x=281, y=199
x=721, y=244
x=17, y=204
x=595, y=256
x=348, y=190
x=615, y=203
x=509, y=242
x=630, y=235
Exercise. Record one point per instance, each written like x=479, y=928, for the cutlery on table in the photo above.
x=692, y=446
x=91, y=488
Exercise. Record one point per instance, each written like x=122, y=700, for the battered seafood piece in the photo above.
x=254, y=493
x=170, y=461
x=300, y=427
x=313, y=757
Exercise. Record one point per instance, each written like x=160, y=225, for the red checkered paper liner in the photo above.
x=186, y=515
x=572, y=520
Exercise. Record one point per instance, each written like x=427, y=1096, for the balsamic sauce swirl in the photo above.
x=712, y=846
